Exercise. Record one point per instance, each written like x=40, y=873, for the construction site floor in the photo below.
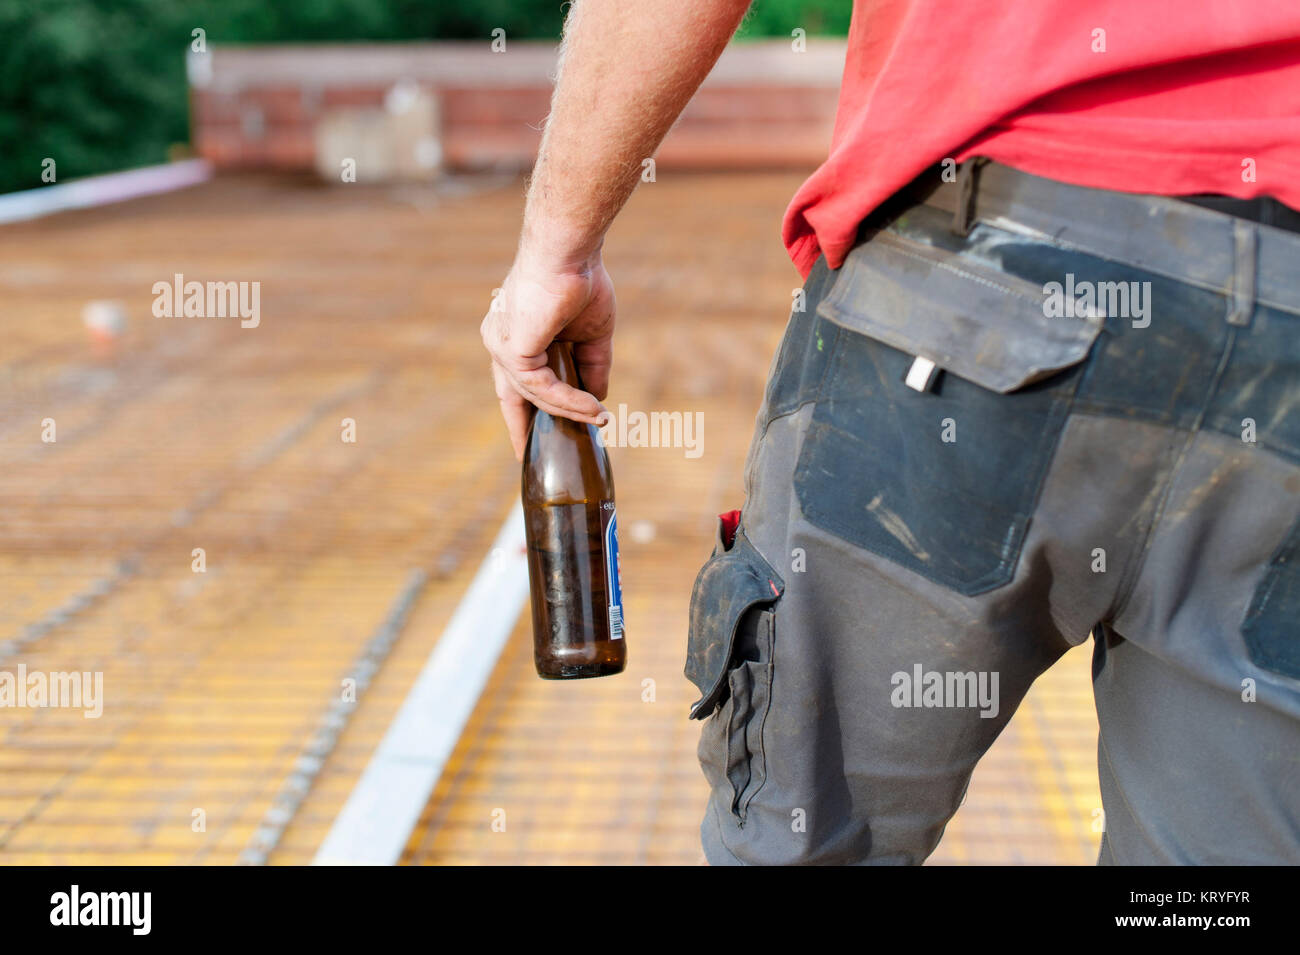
x=226, y=732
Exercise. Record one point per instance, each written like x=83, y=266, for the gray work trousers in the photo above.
x=1020, y=414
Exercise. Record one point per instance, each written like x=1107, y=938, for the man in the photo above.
x=1033, y=396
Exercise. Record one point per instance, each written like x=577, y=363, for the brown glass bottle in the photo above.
x=570, y=521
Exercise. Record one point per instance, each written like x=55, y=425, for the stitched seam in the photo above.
x=1126, y=591
x=1137, y=560
x=1278, y=306
x=962, y=263
x=949, y=267
x=741, y=752
x=1077, y=246
x=762, y=726
x=1219, y=289
x=747, y=481
x=713, y=807
x=762, y=743
x=1281, y=448
x=1109, y=408
x=804, y=402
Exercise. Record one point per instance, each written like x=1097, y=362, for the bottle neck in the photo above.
x=559, y=355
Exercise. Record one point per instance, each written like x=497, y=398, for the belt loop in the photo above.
x=1245, y=241
x=963, y=216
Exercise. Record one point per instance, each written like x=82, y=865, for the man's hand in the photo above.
x=626, y=72
x=537, y=305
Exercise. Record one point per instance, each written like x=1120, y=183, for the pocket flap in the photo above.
x=968, y=317
x=728, y=585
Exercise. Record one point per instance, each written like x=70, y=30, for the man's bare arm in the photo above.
x=627, y=70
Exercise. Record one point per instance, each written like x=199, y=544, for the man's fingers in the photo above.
x=518, y=416
x=554, y=397
x=544, y=389
x=594, y=359
x=520, y=327
x=516, y=411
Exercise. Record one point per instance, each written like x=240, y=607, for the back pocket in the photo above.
x=941, y=478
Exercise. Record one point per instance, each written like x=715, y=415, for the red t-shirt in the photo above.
x=1172, y=97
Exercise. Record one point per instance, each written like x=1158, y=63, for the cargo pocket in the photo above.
x=730, y=650
x=1272, y=624
x=750, y=683
x=940, y=409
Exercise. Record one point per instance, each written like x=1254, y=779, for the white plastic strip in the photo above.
x=921, y=375
x=384, y=806
x=102, y=190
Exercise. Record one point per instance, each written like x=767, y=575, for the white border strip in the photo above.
x=385, y=804
x=102, y=190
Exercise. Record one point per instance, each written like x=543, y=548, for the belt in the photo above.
x=1183, y=239
x=1262, y=209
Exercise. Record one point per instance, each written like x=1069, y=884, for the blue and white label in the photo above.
x=613, y=571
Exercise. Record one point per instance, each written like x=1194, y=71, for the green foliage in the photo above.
x=99, y=85
x=94, y=86
x=779, y=17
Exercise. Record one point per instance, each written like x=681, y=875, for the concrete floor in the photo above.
x=221, y=737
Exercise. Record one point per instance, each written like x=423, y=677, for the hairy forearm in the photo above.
x=627, y=70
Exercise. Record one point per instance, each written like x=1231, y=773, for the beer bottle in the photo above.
x=571, y=528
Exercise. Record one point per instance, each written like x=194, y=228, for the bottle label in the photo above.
x=613, y=572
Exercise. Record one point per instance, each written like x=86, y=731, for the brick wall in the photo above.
x=257, y=107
